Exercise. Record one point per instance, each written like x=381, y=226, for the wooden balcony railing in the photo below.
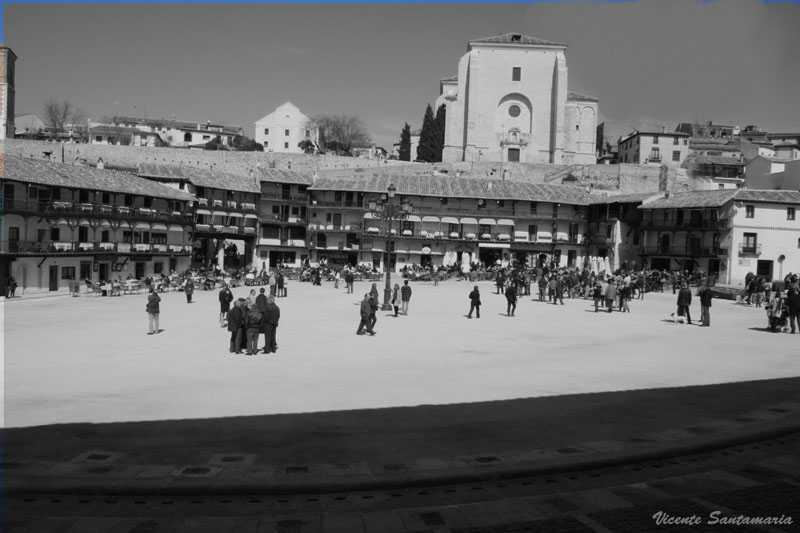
x=85, y=210
x=75, y=247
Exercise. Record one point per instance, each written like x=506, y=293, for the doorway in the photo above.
x=764, y=268
x=53, y=277
x=104, y=271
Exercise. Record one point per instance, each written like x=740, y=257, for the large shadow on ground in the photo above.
x=394, y=435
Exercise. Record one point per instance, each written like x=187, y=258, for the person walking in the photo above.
x=349, y=278
x=365, y=310
x=474, y=303
x=597, y=295
x=611, y=294
x=188, y=289
x=624, y=298
x=542, y=283
x=705, y=305
x=153, y=309
x=11, y=287
x=225, y=299
x=272, y=316
x=405, y=297
x=793, y=305
x=253, y=321
x=684, y=302
x=236, y=326
x=396, y=298
x=511, y=299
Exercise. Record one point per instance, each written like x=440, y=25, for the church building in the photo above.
x=510, y=103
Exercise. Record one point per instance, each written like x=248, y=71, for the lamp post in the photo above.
x=388, y=211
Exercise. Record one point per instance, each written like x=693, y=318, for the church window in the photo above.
x=514, y=110
x=516, y=73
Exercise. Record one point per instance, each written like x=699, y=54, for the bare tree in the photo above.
x=57, y=114
x=338, y=133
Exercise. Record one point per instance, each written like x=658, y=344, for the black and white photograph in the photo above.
x=348, y=268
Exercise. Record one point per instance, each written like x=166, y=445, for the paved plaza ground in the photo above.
x=89, y=359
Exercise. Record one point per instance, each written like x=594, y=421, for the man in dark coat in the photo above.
x=188, y=289
x=705, y=305
x=272, y=315
x=225, y=299
x=236, y=326
x=511, y=298
x=793, y=305
x=475, y=303
x=366, y=312
x=684, y=302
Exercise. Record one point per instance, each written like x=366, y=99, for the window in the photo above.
x=533, y=208
x=276, y=209
x=721, y=186
x=67, y=272
x=337, y=196
x=790, y=213
x=676, y=155
x=749, y=242
x=86, y=270
x=106, y=198
x=266, y=131
x=187, y=137
x=83, y=234
x=158, y=238
x=285, y=133
x=513, y=155
x=158, y=268
x=98, y=139
x=675, y=141
x=514, y=110
x=206, y=137
x=555, y=210
x=148, y=202
x=516, y=74
x=286, y=145
x=104, y=236
x=655, y=139
x=128, y=200
x=749, y=211
x=685, y=142
x=308, y=134
x=266, y=144
x=609, y=229
x=655, y=155
x=83, y=196
x=40, y=235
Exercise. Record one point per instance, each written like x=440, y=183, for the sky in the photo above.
x=732, y=62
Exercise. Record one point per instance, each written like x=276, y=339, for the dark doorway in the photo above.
x=764, y=268
x=139, y=271
x=105, y=271
x=53, y=277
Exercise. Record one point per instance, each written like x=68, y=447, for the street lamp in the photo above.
x=387, y=211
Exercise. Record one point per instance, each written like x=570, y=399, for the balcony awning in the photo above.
x=62, y=222
x=449, y=220
x=202, y=211
x=544, y=235
x=105, y=224
x=487, y=221
x=250, y=215
x=414, y=218
x=368, y=215
x=219, y=214
x=521, y=235
x=83, y=222
x=142, y=225
x=494, y=245
x=468, y=220
x=428, y=218
x=159, y=227
x=175, y=228
x=505, y=222
x=236, y=215
x=124, y=224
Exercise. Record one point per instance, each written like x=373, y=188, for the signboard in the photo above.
x=744, y=262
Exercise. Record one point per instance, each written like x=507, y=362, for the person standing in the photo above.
x=251, y=299
x=793, y=305
x=611, y=294
x=684, y=303
x=511, y=299
x=373, y=292
x=336, y=279
x=280, y=283
x=373, y=311
x=236, y=326
x=474, y=303
x=705, y=305
x=188, y=289
x=261, y=300
x=272, y=316
x=559, y=291
x=349, y=278
x=597, y=295
x=542, y=283
x=365, y=310
x=405, y=297
x=11, y=287
x=225, y=299
x=253, y=321
x=153, y=309
x=624, y=298
x=396, y=298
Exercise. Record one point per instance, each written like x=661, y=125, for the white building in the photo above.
x=654, y=148
x=284, y=129
x=509, y=102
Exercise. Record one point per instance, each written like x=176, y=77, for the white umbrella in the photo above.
x=607, y=266
x=593, y=265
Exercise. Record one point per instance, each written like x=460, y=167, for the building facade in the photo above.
x=8, y=61
x=654, y=148
x=284, y=130
x=283, y=218
x=175, y=133
x=510, y=102
x=64, y=223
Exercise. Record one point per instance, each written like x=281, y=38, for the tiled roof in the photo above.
x=719, y=198
x=199, y=176
x=178, y=124
x=78, y=177
x=284, y=176
x=515, y=38
x=581, y=97
x=456, y=187
x=118, y=130
x=624, y=198
x=722, y=160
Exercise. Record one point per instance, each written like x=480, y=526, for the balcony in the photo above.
x=66, y=209
x=248, y=206
x=680, y=250
x=202, y=201
x=292, y=197
x=82, y=248
x=749, y=250
x=708, y=224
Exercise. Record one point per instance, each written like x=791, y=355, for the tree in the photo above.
x=215, y=144
x=338, y=133
x=242, y=143
x=307, y=146
x=427, y=137
x=405, y=144
x=60, y=114
x=439, y=138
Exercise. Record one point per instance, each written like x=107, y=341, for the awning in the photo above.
x=124, y=224
x=62, y=222
x=426, y=250
x=105, y=224
x=83, y=222
x=368, y=215
x=159, y=227
x=449, y=220
x=142, y=225
x=202, y=211
x=468, y=220
x=544, y=235
x=428, y=218
x=505, y=222
x=494, y=245
x=175, y=228
x=521, y=235
x=219, y=214
x=562, y=236
x=414, y=218
x=487, y=221
x=250, y=215
x=236, y=215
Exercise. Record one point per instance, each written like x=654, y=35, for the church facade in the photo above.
x=509, y=103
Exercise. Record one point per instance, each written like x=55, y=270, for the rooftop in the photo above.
x=284, y=176
x=700, y=199
x=199, y=176
x=78, y=177
x=515, y=38
x=581, y=97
